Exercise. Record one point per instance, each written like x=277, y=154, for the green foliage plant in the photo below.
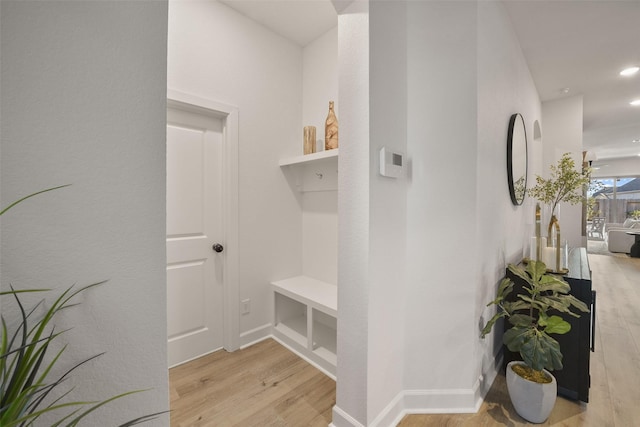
x=532, y=315
x=26, y=365
x=565, y=184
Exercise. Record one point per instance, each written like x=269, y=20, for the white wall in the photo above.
x=388, y=206
x=218, y=54
x=439, y=240
x=320, y=83
x=442, y=207
x=353, y=221
x=562, y=133
x=505, y=87
x=83, y=102
x=320, y=209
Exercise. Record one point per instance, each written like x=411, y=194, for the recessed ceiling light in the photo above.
x=629, y=71
x=565, y=90
x=635, y=102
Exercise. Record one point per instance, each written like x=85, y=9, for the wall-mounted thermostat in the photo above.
x=391, y=163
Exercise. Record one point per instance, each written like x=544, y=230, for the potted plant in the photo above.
x=27, y=384
x=565, y=184
x=532, y=388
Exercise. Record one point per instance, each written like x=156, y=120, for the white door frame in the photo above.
x=229, y=115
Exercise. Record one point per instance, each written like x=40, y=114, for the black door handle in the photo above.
x=217, y=247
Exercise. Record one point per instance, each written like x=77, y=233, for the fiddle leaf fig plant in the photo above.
x=27, y=381
x=532, y=315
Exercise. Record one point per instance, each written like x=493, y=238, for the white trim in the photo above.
x=229, y=114
x=304, y=357
x=407, y=402
x=342, y=419
x=254, y=336
x=461, y=401
x=182, y=362
x=393, y=413
x=426, y=402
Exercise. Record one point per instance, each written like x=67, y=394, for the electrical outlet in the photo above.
x=246, y=306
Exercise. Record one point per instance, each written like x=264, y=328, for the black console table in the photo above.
x=574, y=379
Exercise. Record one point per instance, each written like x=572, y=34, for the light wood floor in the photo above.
x=263, y=385
x=266, y=385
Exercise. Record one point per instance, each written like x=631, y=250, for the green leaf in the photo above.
x=505, y=287
x=575, y=302
x=556, y=325
x=536, y=269
x=515, y=337
x=523, y=320
x=519, y=272
x=29, y=196
x=25, y=365
x=487, y=328
x=554, y=284
x=552, y=352
x=24, y=376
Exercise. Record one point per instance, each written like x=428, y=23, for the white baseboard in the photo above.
x=414, y=402
x=254, y=336
x=342, y=419
x=393, y=413
x=460, y=401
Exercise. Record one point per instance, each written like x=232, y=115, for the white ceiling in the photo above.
x=583, y=45
x=300, y=21
x=580, y=44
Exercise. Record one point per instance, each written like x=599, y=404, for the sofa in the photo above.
x=615, y=234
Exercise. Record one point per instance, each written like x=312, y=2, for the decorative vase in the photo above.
x=309, y=141
x=550, y=216
x=532, y=401
x=553, y=257
x=331, y=129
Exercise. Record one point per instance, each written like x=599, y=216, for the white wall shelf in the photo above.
x=310, y=158
x=305, y=319
x=312, y=172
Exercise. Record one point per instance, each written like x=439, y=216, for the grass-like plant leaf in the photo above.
x=26, y=366
x=28, y=197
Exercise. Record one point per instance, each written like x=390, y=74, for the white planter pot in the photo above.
x=532, y=401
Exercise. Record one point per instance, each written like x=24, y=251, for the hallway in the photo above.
x=266, y=385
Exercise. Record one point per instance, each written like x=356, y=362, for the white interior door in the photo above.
x=195, y=287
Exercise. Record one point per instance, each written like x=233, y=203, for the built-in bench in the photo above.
x=305, y=319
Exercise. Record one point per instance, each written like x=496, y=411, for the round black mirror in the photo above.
x=517, y=159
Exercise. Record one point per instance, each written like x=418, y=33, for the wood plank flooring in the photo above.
x=262, y=385
x=266, y=385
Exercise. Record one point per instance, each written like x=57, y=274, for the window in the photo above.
x=615, y=199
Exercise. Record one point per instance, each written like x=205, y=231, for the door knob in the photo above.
x=217, y=247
